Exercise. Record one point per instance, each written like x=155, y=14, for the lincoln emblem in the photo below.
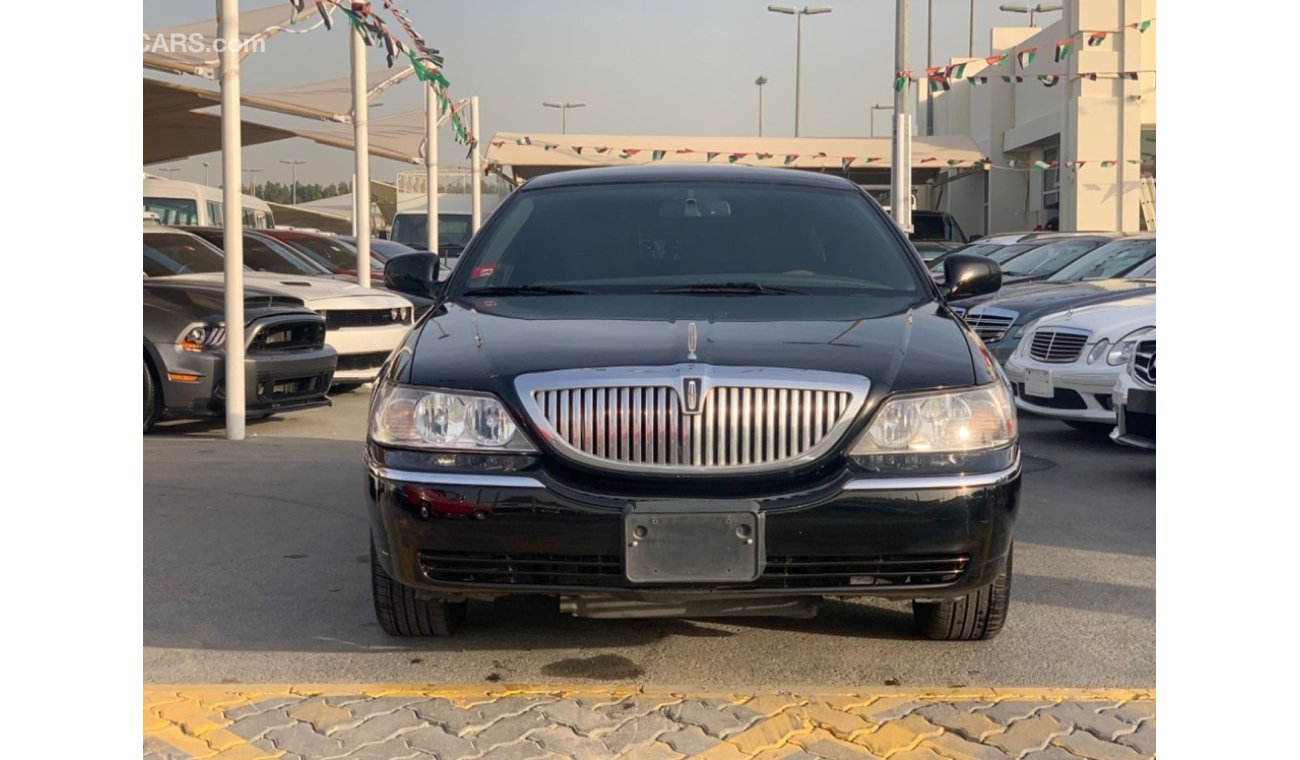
x=691, y=339
x=692, y=395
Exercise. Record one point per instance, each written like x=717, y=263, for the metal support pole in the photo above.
x=476, y=168
x=971, y=52
x=431, y=168
x=900, y=204
x=361, y=145
x=929, y=61
x=231, y=156
x=798, y=67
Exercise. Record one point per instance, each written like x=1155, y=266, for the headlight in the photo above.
x=438, y=419
x=203, y=338
x=1098, y=350
x=1123, y=349
x=953, y=421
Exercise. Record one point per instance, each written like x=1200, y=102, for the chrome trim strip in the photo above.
x=977, y=480
x=456, y=478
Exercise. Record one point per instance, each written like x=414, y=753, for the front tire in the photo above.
x=401, y=613
x=152, y=405
x=345, y=387
x=977, y=616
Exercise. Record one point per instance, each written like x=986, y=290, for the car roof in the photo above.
x=693, y=173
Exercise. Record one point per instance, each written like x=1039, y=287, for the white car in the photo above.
x=1067, y=363
x=1135, y=397
x=363, y=325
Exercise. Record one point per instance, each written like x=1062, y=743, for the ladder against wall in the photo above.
x=1147, y=187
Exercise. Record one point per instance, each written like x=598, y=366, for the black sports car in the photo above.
x=287, y=364
x=691, y=391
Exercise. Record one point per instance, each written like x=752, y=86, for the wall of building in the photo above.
x=1084, y=120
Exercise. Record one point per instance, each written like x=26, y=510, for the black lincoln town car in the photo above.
x=695, y=392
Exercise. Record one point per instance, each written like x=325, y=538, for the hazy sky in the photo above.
x=642, y=67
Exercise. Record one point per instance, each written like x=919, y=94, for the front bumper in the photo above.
x=272, y=384
x=1136, y=415
x=459, y=535
x=362, y=350
x=1081, y=392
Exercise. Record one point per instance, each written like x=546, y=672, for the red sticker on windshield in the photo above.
x=484, y=271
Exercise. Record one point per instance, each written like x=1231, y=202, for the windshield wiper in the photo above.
x=732, y=288
x=523, y=290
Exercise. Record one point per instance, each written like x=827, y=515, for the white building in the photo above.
x=1109, y=118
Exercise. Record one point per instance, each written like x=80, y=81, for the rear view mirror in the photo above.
x=415, y=274
x=966, y=275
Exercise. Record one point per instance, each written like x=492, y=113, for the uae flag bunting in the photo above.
x=938, y=83
x=1133, y=75
x=1043, y=165
x=846, y=162
x=658, y=154
x=790, y=159
x=1049, y=80
x=629, y=152
x=548, y=146
x=977, y=81
x=680, y=151
x=820, y=154
x=1096, y=38
x=1089, y=75
x=901, y=79
x=329, y=22
x=1107, y=164
x=929, y=159
x=1063, y=49
x=577, y=149
x=734, y=157
x=874, y=159
x=710, y=156
x=498, y=143
x=1017, y=79
x=1141, y=26
x=1078, y=163
x=956, y=71
x=602, y=150
x=764, y=156
x=953, y=162
x=524, y=141
x=1026, y=57
x=995, y=60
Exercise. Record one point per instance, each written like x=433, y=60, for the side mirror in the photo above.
x=966, y=275
x=415, y=274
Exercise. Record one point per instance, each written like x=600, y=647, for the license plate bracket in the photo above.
x=1038, y=383
x=693, y=542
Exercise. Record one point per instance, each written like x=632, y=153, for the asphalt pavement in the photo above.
x=256, y=571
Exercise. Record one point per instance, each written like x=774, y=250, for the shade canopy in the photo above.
x=192, y=48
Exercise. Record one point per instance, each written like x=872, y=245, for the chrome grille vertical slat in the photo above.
x=819, y=416
x=746, y=420
x=769, y=439
x=598, y=412
x=661, y=426
x=674, y=430
x=635, y=413
x=710, y=401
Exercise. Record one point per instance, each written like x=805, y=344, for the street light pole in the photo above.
x=929, y=61
x=1040, y=8
x=762, y=80
x=252, y=181
x=205, y=173
x=295, y=165
x=878, y=107
x=564, y=112
x=798, y=47
x=971, y=52
x=900, y=204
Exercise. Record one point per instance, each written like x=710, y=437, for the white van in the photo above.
x=180, y=204
x=411, y=223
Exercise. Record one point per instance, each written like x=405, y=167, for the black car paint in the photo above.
x=172, y=306
x=483, y=344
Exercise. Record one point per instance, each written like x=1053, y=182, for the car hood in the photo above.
x=462, y=347
x=1054, y=296
x=316, y=293
x=1111, y=320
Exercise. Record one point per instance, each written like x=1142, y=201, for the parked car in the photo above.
x=382, y=250
x=934, y=251
x=1135, y=396
x=265, y=254
x=287, y=364
x=329, y=252
x=1111, y=272
x=1051, y=257
x=692, y=391
x=1068, y=362
x=936, y=225
x=362, y=325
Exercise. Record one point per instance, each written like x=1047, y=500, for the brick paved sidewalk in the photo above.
x=391, y=722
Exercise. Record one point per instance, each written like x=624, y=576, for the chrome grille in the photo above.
x=1144, y=362
x=1057, y=345
x=745, y=419
x=991, y=324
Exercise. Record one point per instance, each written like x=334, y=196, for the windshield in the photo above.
x=173, y=212
x=651, y=238
x=172, y=253
x=413, y=229
x=981, y=249
x=1007, y=252
x=928, y=227
x=1049, y=258
x=1110, y=260
x=331, y=252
